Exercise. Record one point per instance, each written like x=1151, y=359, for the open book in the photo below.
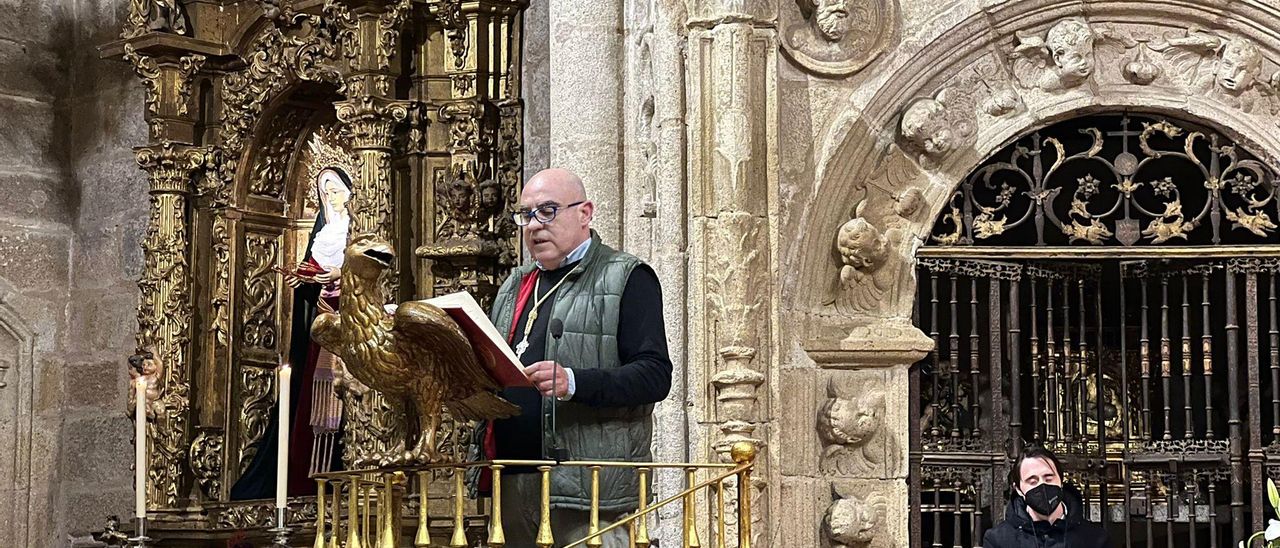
x=490, y=346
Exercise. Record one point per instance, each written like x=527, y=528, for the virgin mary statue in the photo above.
x=316, y=416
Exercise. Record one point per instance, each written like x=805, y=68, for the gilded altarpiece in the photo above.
x=418, y=101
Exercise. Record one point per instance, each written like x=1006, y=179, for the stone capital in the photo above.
x=884, y=343
x=170, y=166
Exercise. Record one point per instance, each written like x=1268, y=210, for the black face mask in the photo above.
x=1044, y=498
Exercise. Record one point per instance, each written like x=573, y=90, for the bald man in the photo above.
x=602, y=372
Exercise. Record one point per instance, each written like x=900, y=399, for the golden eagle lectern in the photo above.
x=418, y=357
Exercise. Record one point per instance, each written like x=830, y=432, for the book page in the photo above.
x=489, y=344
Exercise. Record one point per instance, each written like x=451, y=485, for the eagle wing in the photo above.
x=428, y=337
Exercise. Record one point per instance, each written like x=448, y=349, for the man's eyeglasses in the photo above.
x=544, y=213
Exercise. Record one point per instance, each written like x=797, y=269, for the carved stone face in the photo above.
x=1240, y=65
x=861, y=245
x=849, y=422
x=831, y=18
x=924, y=125
x=850, y=522
x=1070, y=43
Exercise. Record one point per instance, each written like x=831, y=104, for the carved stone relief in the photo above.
x=852, y=429
x=838, y=37
x=16, y=394
x=871, y=264
x=935, y=126
x=853, y=521
x=1060, y=59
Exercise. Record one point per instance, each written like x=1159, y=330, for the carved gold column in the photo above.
x=471, y=90
x=164, y=313
x=733, y=203
x=372, y=121
x=370, y=37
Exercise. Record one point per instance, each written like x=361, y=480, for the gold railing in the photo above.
x=377, y=495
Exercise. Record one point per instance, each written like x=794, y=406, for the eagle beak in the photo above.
x=382, y=255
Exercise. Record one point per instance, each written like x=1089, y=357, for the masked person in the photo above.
x=1042, y=512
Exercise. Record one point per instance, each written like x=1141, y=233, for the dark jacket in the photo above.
x=1072, y=531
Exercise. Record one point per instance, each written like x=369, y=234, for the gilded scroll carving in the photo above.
x=853, y=433
x=164, y=309
x=853, y=522
x=1063, y=58
x=155, y=16
x=838, y=37
x=272, y=160
x=260, y=289
x=149, y=71
x=188, y=66
x=279, y=56
x=221, y=322
x=256, y=399
x=206, y=462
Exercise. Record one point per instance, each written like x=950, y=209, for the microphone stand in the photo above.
x=555, y=452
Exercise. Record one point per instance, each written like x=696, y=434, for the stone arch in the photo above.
x=969, y=92
x=17, y=390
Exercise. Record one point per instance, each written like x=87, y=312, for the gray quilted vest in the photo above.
x=588, y=304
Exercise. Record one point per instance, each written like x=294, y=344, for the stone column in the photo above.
x=586, y=99
x=164, y=313
x=733, y=204
x=852, y=470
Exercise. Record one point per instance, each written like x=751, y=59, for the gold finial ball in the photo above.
x=743, y=452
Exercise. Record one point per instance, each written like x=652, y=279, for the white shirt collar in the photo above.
x=574, y=256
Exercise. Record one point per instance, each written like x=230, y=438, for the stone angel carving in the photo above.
x=869, y=269
x=1228, y=66
x=1061, y=59
x=935, y=126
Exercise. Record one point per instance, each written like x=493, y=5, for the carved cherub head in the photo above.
x=850, y=422
x=1240, y=65
x=851, y=522
x=863, y=249
x=925, y=126
x=1070, y=44
x=830, y=18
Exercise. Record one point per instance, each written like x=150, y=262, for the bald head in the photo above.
x=563, y=181
x=562, y=191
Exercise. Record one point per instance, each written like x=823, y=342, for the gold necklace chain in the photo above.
x=537, y=303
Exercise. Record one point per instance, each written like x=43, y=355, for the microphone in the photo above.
x=556, y=452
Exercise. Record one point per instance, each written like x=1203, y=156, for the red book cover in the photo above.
x=490, y=347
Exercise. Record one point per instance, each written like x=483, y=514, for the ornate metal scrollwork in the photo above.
x=1087, y=186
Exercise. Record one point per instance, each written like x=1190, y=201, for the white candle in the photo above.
x=282, y=441
x=140, y=447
